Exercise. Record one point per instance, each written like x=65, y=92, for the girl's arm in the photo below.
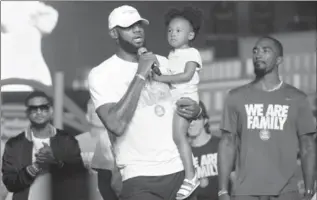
x=185, y=76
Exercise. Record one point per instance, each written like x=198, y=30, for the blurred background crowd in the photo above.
x=74, y=38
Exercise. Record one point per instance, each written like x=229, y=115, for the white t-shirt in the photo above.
x=41, y=187
x=147, y=147
x=87, y=145
x=177, y=60
x=96, y=150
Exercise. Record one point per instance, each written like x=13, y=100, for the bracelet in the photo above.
x=222, y=192
x=140, y=76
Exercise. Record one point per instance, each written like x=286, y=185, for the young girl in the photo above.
x=184, y=64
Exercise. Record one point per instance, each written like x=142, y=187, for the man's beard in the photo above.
x=127, y=46
x=40, y=125
x=261, y=71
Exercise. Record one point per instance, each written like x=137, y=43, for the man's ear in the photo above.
x=279, y=60
x=51, y=111
x=113, y=33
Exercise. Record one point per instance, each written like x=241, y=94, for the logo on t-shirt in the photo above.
x=159, y=110
x=271, y=118
x=206, y=166
x=153, y=93
x=265, y=134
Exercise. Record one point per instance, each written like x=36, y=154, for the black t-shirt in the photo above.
x=205, y=161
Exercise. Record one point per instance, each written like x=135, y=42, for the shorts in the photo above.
x=177, y=94
x=194, y=96
x=152, y=187
x=285, y=196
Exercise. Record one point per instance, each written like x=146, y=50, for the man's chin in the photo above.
x=138, y=45
x=259, y=73
x=40, y=123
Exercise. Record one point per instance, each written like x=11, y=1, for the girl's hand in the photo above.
x=156, y=77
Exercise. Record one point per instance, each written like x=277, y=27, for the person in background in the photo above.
x=264, y=123
x=205, y=150
x=315, y=115
x=3, y=191
x=96, y=152
x=43, y=162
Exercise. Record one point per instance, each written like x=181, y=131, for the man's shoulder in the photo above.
x=63, y=134
x=16, y=139
x=294, y=92
x=105, y=65
x=237, y=91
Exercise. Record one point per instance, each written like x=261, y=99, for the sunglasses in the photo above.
x=44, y=107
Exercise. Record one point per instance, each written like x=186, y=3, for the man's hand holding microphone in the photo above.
x=148, y=63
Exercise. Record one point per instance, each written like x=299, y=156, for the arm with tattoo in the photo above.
x=117, y=112
x=116, y=116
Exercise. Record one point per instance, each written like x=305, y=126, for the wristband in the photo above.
x=140, y=76
x=309, y=193
x=60, y=164
x=33, y=170
x=222, y=192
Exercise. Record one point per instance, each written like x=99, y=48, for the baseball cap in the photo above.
x=124, y=16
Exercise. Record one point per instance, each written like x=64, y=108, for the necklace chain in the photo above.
x=274, y=88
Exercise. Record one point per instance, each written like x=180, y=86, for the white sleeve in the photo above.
x=103, y=87
x=164, y=65
x=193, y=55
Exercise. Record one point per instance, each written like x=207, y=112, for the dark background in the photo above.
x=80, y=39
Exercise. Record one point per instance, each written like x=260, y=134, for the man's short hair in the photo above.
x=277, y=43
x=37, y=94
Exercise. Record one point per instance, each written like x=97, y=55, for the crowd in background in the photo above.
x=203, y=136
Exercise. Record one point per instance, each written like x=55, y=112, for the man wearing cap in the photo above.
x=138, y=112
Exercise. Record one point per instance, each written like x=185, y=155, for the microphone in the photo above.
x=155, y=68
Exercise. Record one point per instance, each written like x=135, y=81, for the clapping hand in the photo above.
x=45, y=156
